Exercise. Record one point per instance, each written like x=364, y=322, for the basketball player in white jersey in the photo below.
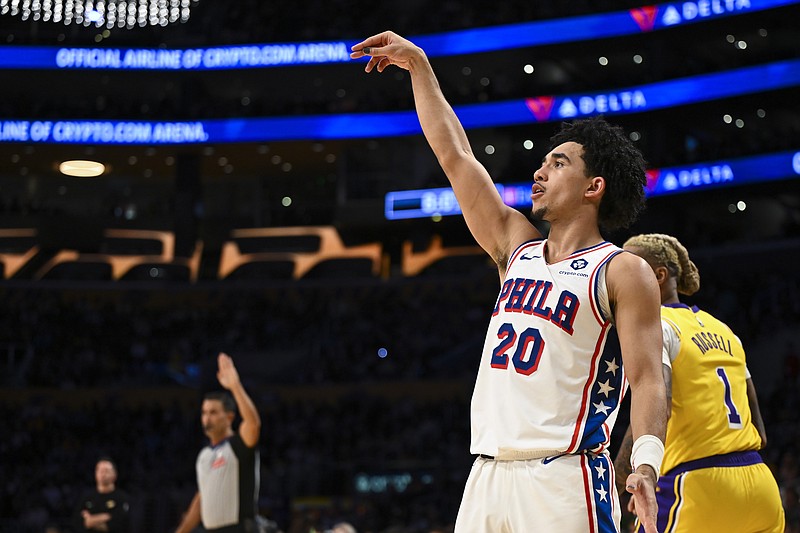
x=547, y=392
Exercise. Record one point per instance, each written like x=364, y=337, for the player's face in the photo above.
x=214, y=418
x=558, y=185
x=104, y=473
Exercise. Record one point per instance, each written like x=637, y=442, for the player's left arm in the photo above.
x=755, y=412
x=636, y=303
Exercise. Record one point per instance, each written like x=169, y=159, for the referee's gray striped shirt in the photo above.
x=228, y=480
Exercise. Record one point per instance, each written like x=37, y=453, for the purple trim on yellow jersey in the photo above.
x=680, y=305
x=670, y=485
x=747, y=458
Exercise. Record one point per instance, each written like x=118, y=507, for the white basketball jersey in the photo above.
x=546, y=383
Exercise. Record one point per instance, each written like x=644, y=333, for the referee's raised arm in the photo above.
x=228, y=376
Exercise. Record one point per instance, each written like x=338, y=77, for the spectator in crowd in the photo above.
x=106, y=508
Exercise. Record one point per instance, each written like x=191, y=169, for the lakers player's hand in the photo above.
x=226, y=374
x=386, y=49
x=641, y=485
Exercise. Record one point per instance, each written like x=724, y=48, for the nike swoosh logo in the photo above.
x=548, y=460
x=526, y=257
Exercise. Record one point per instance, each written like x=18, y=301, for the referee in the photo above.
x=228, y=468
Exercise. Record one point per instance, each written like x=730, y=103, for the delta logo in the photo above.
x=688, y=11
x=652, y=179
x=540, y=107
x=645, y=17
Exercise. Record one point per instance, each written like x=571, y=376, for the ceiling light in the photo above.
x=98, y=13
x=81, y=169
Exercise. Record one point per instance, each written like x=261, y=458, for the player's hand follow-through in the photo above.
x=226, y=374
x=386, y=49
x=643, y=500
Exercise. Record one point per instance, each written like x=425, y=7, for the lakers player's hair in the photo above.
x=659, y=249
x=608, y=152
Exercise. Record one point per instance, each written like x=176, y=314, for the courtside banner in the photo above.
x=639, y=99
x=504, y=37
x=440, y=202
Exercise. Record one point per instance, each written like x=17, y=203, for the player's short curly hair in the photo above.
x=609, y=153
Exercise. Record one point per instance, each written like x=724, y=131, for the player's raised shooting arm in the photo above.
x=496, y=227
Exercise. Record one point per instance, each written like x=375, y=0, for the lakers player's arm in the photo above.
x=667, y=371
x=497, y=228
x=635, y=299
x=755, y=412
x=622, y=462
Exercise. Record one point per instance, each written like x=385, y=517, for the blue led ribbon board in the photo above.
x=427, y=203
x=505, y=37
x=660, y=95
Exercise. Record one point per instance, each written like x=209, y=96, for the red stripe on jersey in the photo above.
x=612, y=488
x=587, y=492
x=587, y=391
x=522, y=247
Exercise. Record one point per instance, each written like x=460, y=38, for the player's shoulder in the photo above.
x=627, y=266
x=629, y=278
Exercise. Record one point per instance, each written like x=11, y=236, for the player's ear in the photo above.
x=596, y=187
x=662, y=274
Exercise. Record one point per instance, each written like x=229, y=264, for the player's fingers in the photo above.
x=358, y=46
x=373, y=61
x=374, y=40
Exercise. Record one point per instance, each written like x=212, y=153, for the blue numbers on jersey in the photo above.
x=529, y=346
x=734, y=419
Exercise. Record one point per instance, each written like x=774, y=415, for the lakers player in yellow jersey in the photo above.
x=713, y=476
